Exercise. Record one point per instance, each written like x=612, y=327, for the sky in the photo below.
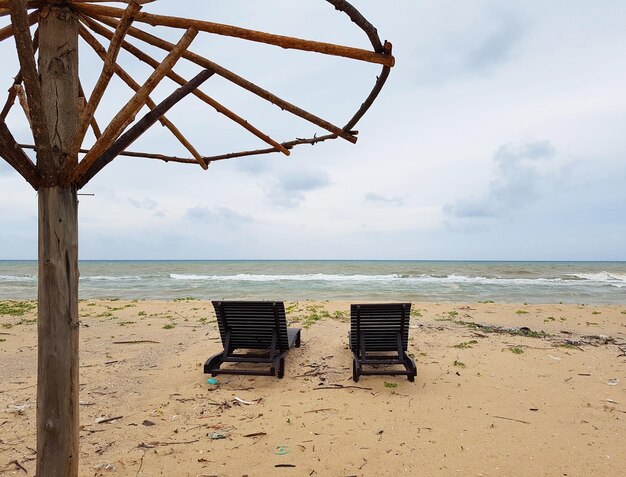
x=498, y=136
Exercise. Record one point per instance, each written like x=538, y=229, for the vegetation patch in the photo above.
x=465, y=344
x=458, y=364
x=516, y=350
x=16, y=308
x=416, y=313
x=521, y=312
x=169, y=326
x=185, y=298
x=390, y=385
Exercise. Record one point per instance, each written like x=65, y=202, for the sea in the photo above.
x=336, y=280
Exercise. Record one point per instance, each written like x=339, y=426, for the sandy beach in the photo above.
x=488, y=400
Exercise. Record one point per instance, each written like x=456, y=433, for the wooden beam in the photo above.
x=181, y=81
x=112, y=132
x=142, y=126
x=124, y=76
x=245, y=34
x=146, y=155
x=16, y=157
x=93, y=123
x=7, y=31
x=236, y=79
x=17, y=80
x=30, y=75
x=105, y=76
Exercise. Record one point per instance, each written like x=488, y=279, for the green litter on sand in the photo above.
x=212, y=381
x=216, y=435
x=282, y=450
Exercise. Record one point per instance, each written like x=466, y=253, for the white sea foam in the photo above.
x=617, y=280
x=106, y=278
x=392, y=279
x=12, y=278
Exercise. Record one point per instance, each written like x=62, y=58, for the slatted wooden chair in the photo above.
x=253, y=326
x=382, y=329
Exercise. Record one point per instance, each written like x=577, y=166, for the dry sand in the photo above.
x=485, y=402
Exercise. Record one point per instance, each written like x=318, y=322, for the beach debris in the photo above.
x=17, y=408
x=212, y=381
x=216, y=436
x=17, y=465
x=153, y=444
x=110, y=467
x=511, y=419
x=241, y=401
x=340, y=386
x=613, y=382
x=555, y=358
x=282, y=450
x=136, y=342
x=256, y=434
x=284, y=465
x=148, y=423
x=104, y=420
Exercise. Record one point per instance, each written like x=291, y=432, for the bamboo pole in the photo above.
x=124, y=76
x=15, y=156
x=142, y=126
x=114, y=129
x=105, y=76
x=236, y=79
x=181, y=81
x=244, y=33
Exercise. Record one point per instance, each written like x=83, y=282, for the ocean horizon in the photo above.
x=581, y=282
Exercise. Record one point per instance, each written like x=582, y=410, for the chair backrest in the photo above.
x=380, y=322
x=252, y=323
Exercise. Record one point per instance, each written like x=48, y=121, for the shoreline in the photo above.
x=487, y=400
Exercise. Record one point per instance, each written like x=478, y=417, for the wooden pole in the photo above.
x=58, y=363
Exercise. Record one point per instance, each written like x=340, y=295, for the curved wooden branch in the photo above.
x=142, y=126
x=236, y=79
x=181, y=81
x=121, y=119
x=361, y=22
x=244, y=33
x=124, y=76
x=105, y=76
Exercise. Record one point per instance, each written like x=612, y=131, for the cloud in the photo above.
x=374, y=197
x=521, y=178
x=219, y=215
x=290, y=188
x=468, y=43
x=145, y=203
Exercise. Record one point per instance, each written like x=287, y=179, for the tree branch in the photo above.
x=25, y=53
x=119, y=122
x=245, y=34
x=238, y=80
x=15, y=156
x=105, y=76
x=181, y=81
x=142, y=126
x=124, y=76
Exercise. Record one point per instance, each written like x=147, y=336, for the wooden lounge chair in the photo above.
x=252, y=325
x=382, y=329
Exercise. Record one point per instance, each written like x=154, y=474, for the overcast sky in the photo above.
x=501, y=134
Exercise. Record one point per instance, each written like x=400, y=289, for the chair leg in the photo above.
x=355, y=370
x=212, y=365
x=281, y=368
x=409, y=364
x=297, y=345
